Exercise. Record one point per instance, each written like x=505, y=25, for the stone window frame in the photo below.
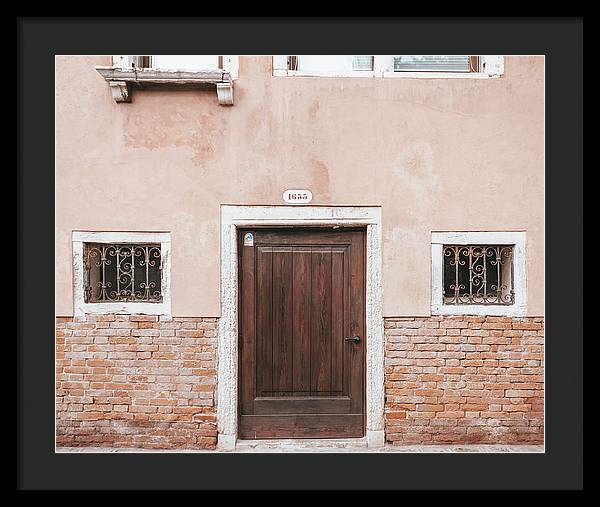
x=490, y=66
x=516, y=238
x=81, y=307
x=228, y=63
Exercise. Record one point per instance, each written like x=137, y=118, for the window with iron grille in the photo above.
x=478, y=275
x=122, y=272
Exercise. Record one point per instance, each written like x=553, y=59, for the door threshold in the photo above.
x=301, y=445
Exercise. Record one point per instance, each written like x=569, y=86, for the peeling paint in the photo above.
x=320, y=180
x=154, y=129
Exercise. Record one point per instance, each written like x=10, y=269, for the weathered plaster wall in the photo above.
x=435, y=154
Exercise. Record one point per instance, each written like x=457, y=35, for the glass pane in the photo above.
x=329, y=63
x=362, y=62
x=444, y=63
x=185, y=62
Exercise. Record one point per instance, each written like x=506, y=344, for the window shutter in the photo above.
x=141, y=61
x=474, y=64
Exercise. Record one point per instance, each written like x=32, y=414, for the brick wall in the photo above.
x=136, y=381
x=141, y=381
x=464, y=379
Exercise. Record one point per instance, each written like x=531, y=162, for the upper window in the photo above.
x=116, y=272
x=430, y=66
x=174, y=62
x=480, y=273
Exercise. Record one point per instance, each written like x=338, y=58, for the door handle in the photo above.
x=355, y=339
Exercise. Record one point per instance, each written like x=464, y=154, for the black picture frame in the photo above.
x=39, y=40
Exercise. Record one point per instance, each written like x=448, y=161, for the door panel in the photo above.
x=320, y=339
x=301, y=297
x=301, y=304
x=281, y=354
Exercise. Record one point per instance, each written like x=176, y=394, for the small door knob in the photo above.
x=355, y=339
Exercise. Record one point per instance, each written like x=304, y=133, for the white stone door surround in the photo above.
x=232, y=217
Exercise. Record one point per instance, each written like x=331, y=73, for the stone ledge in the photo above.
x=360, y=447
x=122, y=81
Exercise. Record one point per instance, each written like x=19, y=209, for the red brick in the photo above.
x=143, y=318
x=482, y=385
x=395, y=415
x=107, y=351
x=491, y=390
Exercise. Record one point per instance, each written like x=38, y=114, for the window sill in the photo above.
x=495, y=310
x=440, y=75
x=123, y=308
x=386, y=75
x=123, y=81
x=349, y=73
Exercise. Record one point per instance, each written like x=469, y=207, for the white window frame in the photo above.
x=230, y=63
x=517, y=239
x=80, y=307
x=491, y=66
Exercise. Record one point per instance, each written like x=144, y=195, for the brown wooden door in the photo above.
x=302, y=303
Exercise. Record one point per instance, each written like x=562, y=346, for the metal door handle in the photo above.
x=355, y=339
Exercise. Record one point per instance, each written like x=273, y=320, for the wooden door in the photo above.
x=301, y=330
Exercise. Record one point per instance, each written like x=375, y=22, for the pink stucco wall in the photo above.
x=436, y=154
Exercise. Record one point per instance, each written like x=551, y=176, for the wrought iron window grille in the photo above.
x=122, y=272
x=478, y=275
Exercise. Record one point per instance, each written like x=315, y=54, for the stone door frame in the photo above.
x=232, y=217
